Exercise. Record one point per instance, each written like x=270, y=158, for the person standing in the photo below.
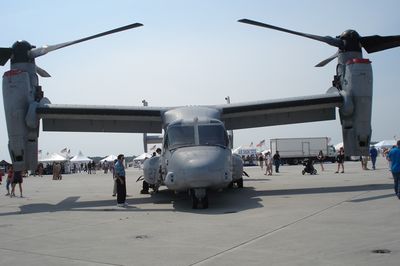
x=340, y=160
x=17, y=179
x=373, y=152
x=10, y=175
x=121, y=181
x=261, y=161
x=394, y=158
x=115, y=180
x=277, y=161
x=268, y=163
x=321, y=158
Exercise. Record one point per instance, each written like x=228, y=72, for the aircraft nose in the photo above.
x=197, y=159
x=201, y=167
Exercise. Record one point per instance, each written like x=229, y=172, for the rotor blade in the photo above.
x=378, y=43
x=326, y=39
x=36, y=52
x=326, y=61
x=43, y=73
x=5, y=54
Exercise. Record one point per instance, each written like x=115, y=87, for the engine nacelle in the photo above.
x=355, y=115
x=19, y=99
x=151, y=170
x=237, y=167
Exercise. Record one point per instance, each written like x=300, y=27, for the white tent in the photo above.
x=53, y=157
x=265, y=151
x=109, y=158
x=142, y=157
x=387, y=143
x=80, y=158
x=338, y=146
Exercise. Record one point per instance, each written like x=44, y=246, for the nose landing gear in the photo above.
x=199, y=198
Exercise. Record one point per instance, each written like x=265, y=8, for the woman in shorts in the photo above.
x=17, y=179
x=340, y=160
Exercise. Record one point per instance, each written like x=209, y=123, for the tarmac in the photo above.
x=284, y=219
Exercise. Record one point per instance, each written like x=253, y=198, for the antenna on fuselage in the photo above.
x=145, y=103
x=230, y=132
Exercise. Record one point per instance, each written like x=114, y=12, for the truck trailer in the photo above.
x=296, y=150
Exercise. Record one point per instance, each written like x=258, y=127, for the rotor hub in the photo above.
x=351, y=41
x=21, y=52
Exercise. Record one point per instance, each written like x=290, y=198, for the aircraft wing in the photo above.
x=282, y=111
x=97, y=118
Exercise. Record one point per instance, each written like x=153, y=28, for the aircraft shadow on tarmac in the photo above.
x=228, y=201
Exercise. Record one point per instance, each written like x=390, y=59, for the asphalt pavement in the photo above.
x=284, y=219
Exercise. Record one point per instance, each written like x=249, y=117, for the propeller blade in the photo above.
x=41, y=72
x=326, y=61
x=5, y=54
x=326, y=39
x=376, y=43
x=36, y=52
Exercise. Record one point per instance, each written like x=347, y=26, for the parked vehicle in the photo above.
x=296, y=150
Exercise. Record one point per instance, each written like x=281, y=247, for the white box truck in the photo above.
x=295, y=150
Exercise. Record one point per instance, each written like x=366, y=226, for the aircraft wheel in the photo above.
x=199, y=198
x=303, y=172
x=240, y=183
x=230, y=185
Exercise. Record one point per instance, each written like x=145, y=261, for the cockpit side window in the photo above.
x=180, y=136
x=213, y=134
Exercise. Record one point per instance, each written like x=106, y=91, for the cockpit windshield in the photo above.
x=213, y=134
x=185, y=135
x=180, y=136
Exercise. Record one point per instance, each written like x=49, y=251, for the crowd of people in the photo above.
x=268, y=160
x=392, y=156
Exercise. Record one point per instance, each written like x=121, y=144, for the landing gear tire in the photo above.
x=303, y=172
x=199, y=198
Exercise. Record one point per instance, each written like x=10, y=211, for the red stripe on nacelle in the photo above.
x=358, y=61
x=12, y=72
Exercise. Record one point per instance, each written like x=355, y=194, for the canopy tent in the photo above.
x=80, y=158
x=4, y=162
x=109, y=158
x=142, y=157
x=338, y=146
x=385, y=144
x=265, y=151
x=53, y=157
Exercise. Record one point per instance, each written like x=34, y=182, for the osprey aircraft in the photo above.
x=196, y=154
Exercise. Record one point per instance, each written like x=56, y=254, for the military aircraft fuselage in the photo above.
x=195, y=155
x=196, y=149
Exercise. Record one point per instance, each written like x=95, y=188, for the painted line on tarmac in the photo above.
x=250, y=241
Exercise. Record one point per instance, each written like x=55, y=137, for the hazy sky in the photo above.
x=194, y=53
